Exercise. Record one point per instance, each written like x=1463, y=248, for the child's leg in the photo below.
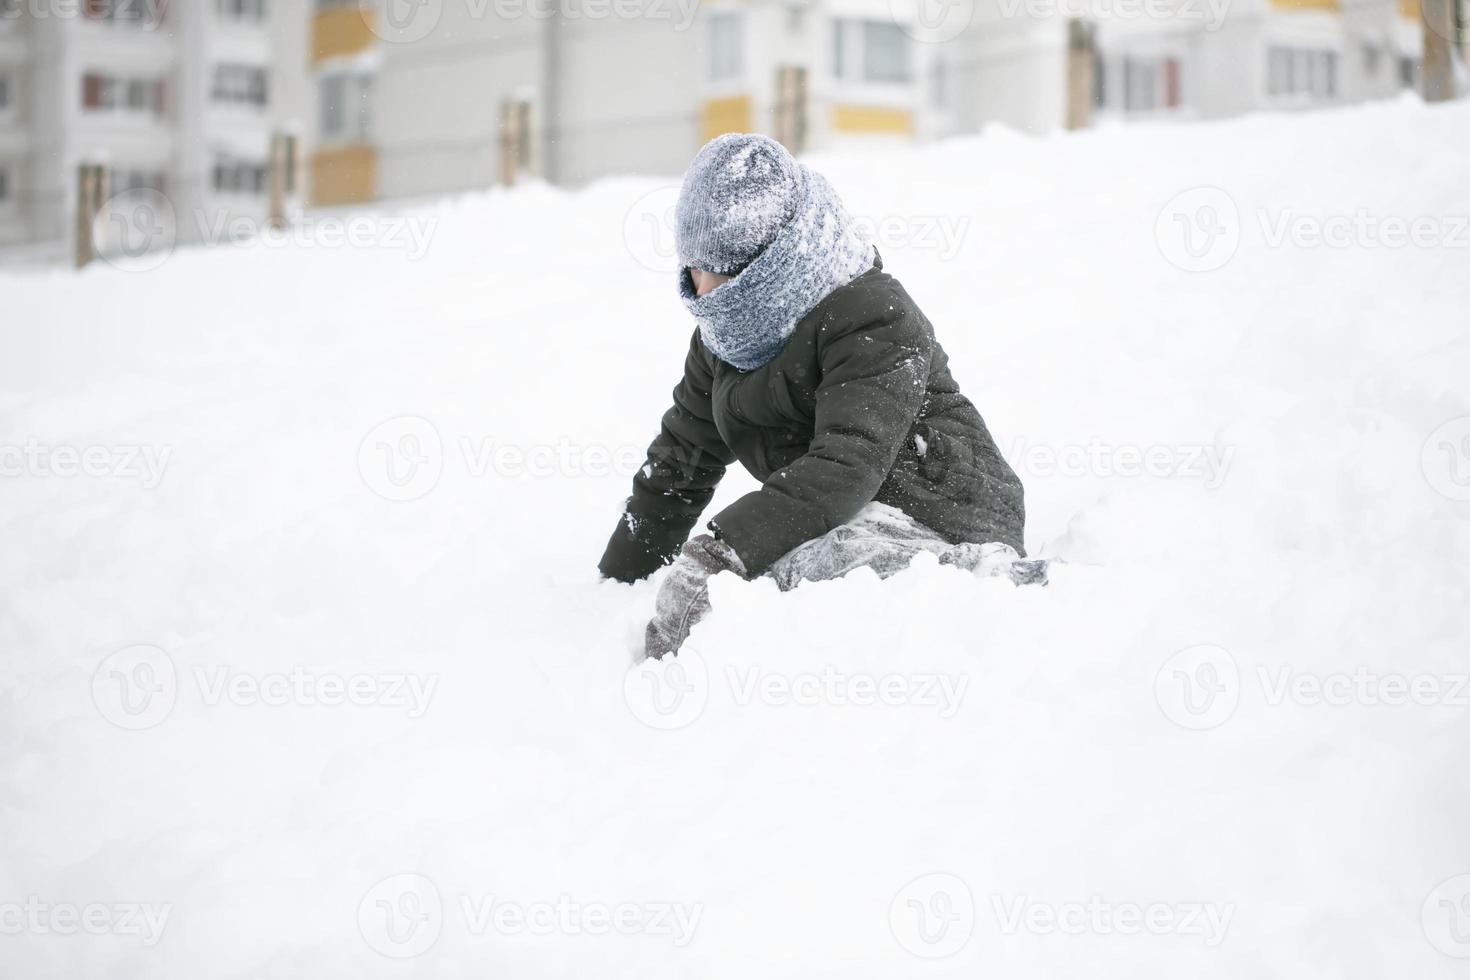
x=880, y=537
x=886, y=540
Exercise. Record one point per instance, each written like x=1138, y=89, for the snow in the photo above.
x=339, y=695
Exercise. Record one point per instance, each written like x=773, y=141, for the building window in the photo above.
x=886, y=53
x=725, y=49
x=1408, y=72
x=239, y=177
x=123, y=180
x=346, y=107
x=249, y=10
x=1301, y=73
x=4, y=94
x=104, y=93
x=871, y=51
x=4, y=185
x=240, y=84
x=145, y=13
x=1138, y=84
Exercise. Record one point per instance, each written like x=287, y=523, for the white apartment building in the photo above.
x=1257, y=55
x=410, y=94
x=418, y=110
x=179, y=96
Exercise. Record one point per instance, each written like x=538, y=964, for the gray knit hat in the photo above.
x=741, y=189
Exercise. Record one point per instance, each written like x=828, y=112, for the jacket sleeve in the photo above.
x=685, y=464
x=874, y=378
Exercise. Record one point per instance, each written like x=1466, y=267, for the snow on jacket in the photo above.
x=858, y=405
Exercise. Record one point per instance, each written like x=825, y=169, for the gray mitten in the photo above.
x=683, y=599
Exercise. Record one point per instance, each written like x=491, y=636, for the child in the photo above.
x=814, y=369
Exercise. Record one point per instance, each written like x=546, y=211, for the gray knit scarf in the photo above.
x=747, y=321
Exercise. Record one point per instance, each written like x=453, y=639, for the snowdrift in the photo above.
x=306, y=670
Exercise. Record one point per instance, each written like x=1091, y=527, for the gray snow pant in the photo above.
x=886, y=540
x=880, y=537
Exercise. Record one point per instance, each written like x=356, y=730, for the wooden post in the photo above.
x=791, y=107
x=91, y=193
x=515, y=140
x=1081, y=72
x=284, y=177
x=1440, y=24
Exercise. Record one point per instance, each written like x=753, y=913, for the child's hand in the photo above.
x=683, y=599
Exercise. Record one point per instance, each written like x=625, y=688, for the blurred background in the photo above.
x=242, y=113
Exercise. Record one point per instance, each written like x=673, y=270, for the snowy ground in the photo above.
x=305, y=670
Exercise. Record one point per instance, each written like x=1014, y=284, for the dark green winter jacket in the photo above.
x=859, y=406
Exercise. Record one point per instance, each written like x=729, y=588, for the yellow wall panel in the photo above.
x=728, y=115
x=344, y=175
x=341, y=31
x=872, y=119
x=1307, y=4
